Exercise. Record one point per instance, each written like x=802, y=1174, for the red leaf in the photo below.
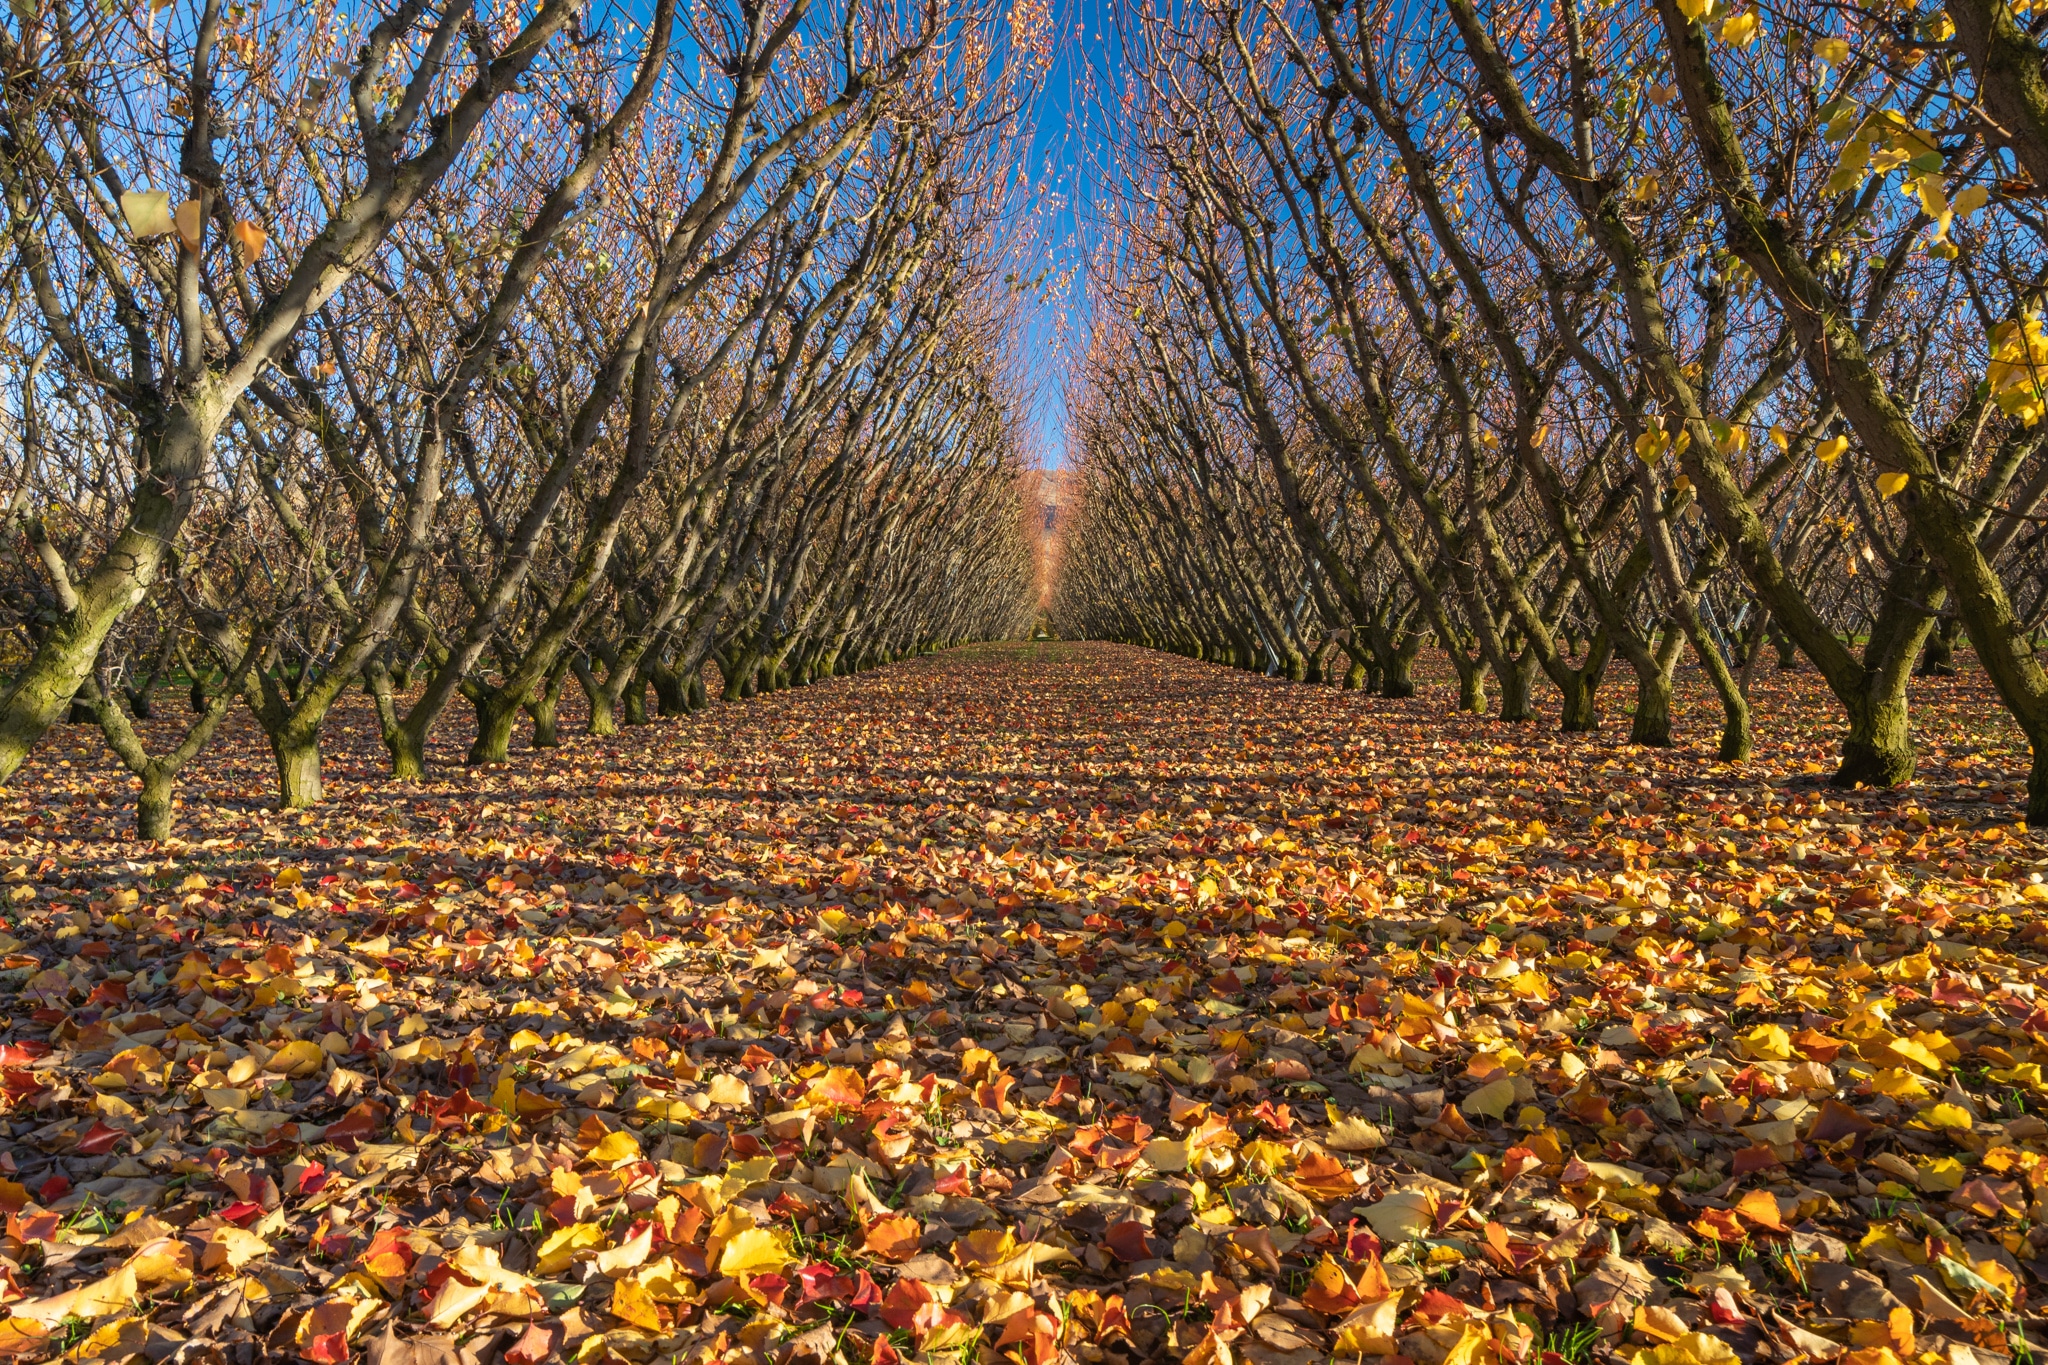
x=538, y=1342
x=1127, y=1242
x=242, y=1213
x=366, y=1120
x=98, y=1140
x=330, y=1349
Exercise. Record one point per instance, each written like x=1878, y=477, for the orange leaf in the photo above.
x=893, y=1238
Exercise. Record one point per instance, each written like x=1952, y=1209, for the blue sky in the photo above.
x=1068, y=157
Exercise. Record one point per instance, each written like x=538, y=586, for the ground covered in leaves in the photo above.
x=1039, y=1002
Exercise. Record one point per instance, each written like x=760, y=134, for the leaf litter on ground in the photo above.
x=1035, y=1003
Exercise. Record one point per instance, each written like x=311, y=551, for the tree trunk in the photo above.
x=602, y=721
x=1652, y=723
x=1397, y=680
x=545, y=707
x=542, y=707
x=408, y=750
x=1879, y=749
x=1581, y=714
x=1938, y=658
x=635, y=700
x=671, y=693
x=496, y=714
x=1471, y=687
x=153, y=809
x=42, y=690
x=1515, y=705
x=1736, y=740
x=298, y=771
x=2037, y=788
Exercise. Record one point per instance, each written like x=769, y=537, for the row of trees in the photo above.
x=1561, y=335
x=455, y=351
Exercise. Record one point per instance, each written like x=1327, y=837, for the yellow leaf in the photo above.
x=731, y=1091
x=1167, y=1154
x=1899, y=1083
x=103, y=1297
x=1490, y=1100
x=120, y=1339
x=1659, y=1324
x=149, y=215
x=1474, y=1343
x=20, y=1336
x=165, y=1261
x=563, y=1246
x=481, y=1263
x=230, y=1246
x=298, y=1059
x=1946, y=1116
x=1741, y=30
x=1767, y=1042
x=1830, y=450
x=756, y=1251
x=1273, y=1156
x=1891, y=482
x=1351, y=1134
x=1833, y=51
x=616, y=1147
x=655, y=1107
x=627, y=1255
x=743, y=1175
x=1369, y=1330
x=1694, y=1348
x=454, y=1300
x=1403, y=1215
x=633, y=1305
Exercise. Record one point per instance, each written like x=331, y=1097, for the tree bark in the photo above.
x=602, y=720
x=1652, y=723
x=153, y=808
x=1515, y=688
x=1879, y=749
x=1471, y=686
x=298, y=770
